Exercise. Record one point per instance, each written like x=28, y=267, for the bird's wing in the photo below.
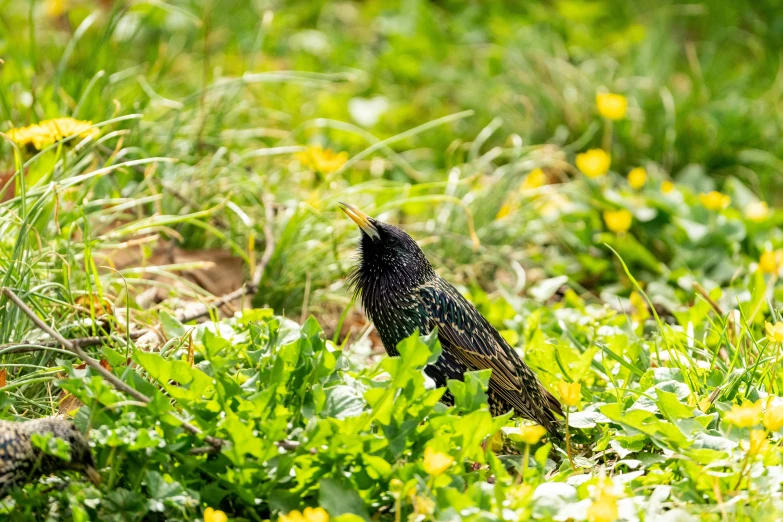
x=479, y=346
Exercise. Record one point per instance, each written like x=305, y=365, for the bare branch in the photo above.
x=95, y=365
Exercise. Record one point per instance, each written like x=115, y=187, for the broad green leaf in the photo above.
x=339, y=499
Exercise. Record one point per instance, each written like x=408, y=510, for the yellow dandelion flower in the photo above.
x=745, y=416
x=618, y=221
x=714, y=200
x=604, y=509
x=214, y=515
x=536, y=179
x=435, y=462
x=48, y=132
x=771, y=261
x=611, y=106
x=667, y=187
x=774, y=332
x=637, y=177
x=570, y=393
x=773, y=417
x=530, y=434
x=757, y=212
x=594, y=163
x=322, y=160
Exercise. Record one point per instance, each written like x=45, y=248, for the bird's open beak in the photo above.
x=361, y=219
x=93, y=475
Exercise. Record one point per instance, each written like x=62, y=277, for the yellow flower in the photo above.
x=611, y=106
x=771, y=261
x=41, y=135
x=536, y=179
x=757, y=212
x=215, y=515
x=594, y=163
x=309, y=514
x=530, y=434
x=496, y=442
x=323, y=160
x=435, y=462
x=293, y=516
x=318, y=514
x=603, y=510
x=641, y=312
x=758, y=441
x=423, y=505
x=618, y=221
x=745, y=416
x=773, y=417
x=667, y=186
x=570, y=393
x=56, y=8
x=774, y=332
x=504, y=211
x=714, y=200
x=637, y=177
x=519, y=495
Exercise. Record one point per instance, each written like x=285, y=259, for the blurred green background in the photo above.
x=703, y=79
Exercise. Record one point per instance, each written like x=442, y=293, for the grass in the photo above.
x=208, y=118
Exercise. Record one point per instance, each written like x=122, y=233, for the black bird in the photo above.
x=21, y=462
x=401, y=293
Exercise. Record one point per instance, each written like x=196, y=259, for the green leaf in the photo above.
x=339, y=499
x=171, y=325
x=343, y=401
x=178, y=378
x=586, y=419
x=51, y=445
x=670, y=405
x=470, y=394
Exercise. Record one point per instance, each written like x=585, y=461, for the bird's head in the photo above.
x=389, y=259
x=81, y=454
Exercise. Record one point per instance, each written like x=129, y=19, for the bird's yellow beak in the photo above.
x=361, y=219
x=93, y=475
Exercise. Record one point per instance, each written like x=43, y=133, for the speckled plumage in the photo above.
x=400, y=293
x=21, y=462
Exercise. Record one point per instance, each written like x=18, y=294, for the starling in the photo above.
x=401, y=293
x=21, y=462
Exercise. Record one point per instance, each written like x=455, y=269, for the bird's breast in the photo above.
x=396, y=317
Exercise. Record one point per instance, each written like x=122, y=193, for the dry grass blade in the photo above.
x=249, y=288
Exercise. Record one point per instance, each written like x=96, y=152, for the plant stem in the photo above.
x=568, y=442
x=607, y=139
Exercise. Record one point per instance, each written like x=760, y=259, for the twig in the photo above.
x=269, y=248
x=95, y=365
x=75, y=346
x=248, y=288
x=82, y=342
x=219, y=303
x=703, y=292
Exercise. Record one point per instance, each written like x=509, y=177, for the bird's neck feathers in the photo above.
x=386, y=275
